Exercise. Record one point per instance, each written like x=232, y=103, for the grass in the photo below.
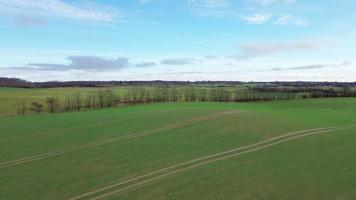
x=320, y=166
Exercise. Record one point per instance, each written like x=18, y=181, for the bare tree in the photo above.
x=173, y=94
x=142, y=95
x=90, y=101
x=52, y=104
x=68, y=104
x=22, y=108
x=111, y=99
x=36, y=107
x=77, y=101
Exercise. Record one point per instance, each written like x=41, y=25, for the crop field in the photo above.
x=298, y=149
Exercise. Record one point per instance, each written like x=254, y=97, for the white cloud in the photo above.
x=297, y=70
x=291, y=20
x=84, y=63
x=56, y=8
x=95, y=63
x=258, y=18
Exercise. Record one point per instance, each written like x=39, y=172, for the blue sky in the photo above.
x=245, y=40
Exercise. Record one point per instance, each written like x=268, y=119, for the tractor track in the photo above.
x=115, y=139
x=181, y=167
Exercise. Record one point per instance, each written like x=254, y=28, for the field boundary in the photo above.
x=117, y=139
x=180, y=167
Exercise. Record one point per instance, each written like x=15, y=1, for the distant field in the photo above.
x=15, y=101
x=301, y=149
x=10, y=98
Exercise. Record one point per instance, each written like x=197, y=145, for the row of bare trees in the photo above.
x=202, y=94
x=72, y=102
x=138, y=95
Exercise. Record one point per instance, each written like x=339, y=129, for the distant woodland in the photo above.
x=140, y=92
x=15, y=82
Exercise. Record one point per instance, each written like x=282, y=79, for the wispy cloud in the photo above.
x=257, y=49
x=84, y=63
x=291, y=20
x=145, y=64
x=258, y=18
x=95, y=63
x=57, y=8
x=300, y=67
x=225, y=9
x=310, y=67
x=213, y=8
x=177, y=61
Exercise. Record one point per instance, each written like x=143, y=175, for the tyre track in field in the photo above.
x=116, y=139
x=175, y=169
x=72, y=128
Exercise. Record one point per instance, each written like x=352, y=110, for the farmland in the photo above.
x=23, y=101
x=10, y=98
x=177, y=100
x=297, y=149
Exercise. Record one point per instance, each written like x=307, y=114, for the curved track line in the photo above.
x=113, y=140
x=255, y=147
x=188, y=162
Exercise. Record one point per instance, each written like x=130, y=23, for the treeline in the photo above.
x=313, y=92
x=303, y=84
x=15, y=82
x=139, y=95
x=72, y=102
x=200, y=94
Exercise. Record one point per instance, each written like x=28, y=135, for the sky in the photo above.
x=183, y=40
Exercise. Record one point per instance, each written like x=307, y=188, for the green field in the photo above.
x=303, y=149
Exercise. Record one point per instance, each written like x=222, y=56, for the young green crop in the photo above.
x=66, y=155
